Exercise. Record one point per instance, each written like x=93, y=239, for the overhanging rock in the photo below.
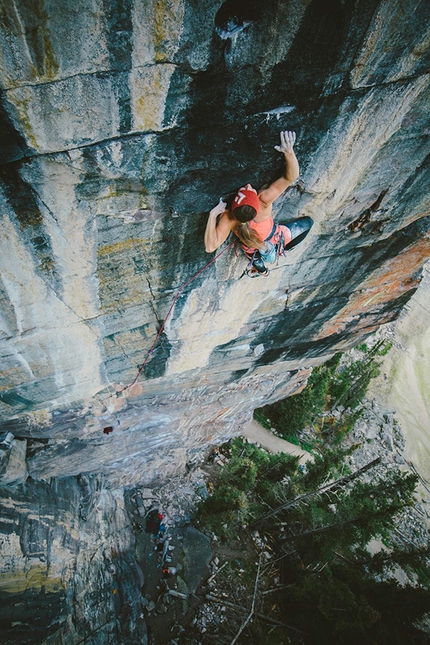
x=124, y=123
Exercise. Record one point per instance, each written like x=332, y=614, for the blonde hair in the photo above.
x=248, y=237
x=242, y=216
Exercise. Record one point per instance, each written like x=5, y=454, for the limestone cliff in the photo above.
x=122, y=124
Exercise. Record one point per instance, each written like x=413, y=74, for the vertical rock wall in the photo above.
x=123, y=124
x=68, y=569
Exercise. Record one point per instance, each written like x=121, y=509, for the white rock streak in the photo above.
x=53, y=339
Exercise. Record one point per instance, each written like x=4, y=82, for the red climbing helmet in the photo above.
x=246, y=197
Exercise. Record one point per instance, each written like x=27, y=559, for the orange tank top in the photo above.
x=263, y=229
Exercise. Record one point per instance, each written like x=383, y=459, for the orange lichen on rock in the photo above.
x=385, y=285
x=135, y=390
x=302, y=379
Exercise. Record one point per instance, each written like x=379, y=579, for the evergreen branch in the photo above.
x=322, y=489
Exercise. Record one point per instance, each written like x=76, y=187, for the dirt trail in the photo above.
x=257, y=434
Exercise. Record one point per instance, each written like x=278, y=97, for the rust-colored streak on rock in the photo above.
x=135, y=390
x=302, y=378
x=385, y=285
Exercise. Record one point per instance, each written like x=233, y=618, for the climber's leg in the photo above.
x=299, y=228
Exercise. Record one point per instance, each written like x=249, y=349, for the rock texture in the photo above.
x=68, y=566
x=403, y=385
x=122, y=124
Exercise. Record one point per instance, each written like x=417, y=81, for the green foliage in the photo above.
x=293, y=414
x=224, y=510
x=239, y=448
x=399, y=608
x=328, y=609
x=329, y=385
x=262, y=418
x=383, y=348
x=345, y=605
x=249, y=471
x=272, y=467
x=328, y=587
x=279, y=466
x=349, y=518
x=240, y=472
x=350, y=383
x=325, y=465
x=415, y=562
x=344, y=600
x=225, y=498
x=334, y=429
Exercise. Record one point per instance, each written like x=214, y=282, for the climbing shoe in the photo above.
x=253, y=273
x=259, y=265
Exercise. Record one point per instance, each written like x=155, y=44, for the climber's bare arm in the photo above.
x=217, y=231
x=276, y=189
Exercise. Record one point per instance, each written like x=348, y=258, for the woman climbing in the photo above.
x=250, y=217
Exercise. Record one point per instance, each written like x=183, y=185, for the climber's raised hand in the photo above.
x=288, y=139
x=217, y=231
x=268, y=195
x=219, y=208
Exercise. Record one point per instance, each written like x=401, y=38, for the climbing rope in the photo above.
x=160, y=331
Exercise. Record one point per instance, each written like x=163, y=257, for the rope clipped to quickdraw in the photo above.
x=160, y=331
x=249, y=265
x=280, y=248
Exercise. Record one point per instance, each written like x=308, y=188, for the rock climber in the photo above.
x=250, y=216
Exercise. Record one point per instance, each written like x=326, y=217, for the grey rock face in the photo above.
x=13, y=466
x=197, y=556
x=68, y=567
x=122, y=125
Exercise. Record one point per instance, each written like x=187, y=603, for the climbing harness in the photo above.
x=274, y=248
x=255, y=267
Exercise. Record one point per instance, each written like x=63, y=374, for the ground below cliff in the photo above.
x=403, y=385
x=123, y=123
